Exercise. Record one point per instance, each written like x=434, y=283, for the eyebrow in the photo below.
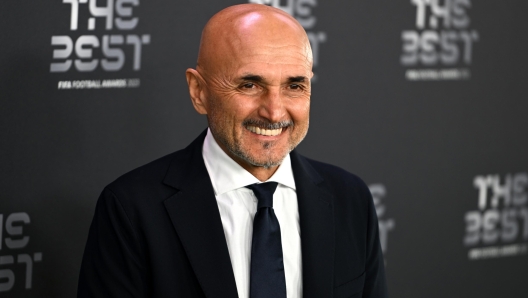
x=251, y=77
x=259, y=79
x=298, y=79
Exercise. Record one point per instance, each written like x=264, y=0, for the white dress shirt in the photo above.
x=238, y=205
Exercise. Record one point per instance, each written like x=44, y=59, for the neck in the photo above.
x=261, y=173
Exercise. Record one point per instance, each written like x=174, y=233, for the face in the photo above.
x=258, y=98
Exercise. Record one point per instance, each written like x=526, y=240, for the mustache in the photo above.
x=266, y=124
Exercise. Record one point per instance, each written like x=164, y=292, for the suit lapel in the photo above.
x=317, y=229
x=195, y=216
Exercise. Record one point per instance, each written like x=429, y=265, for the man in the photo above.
x=199, y=222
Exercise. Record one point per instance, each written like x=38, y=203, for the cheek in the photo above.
x=300, y=111
x=241, y=107
x=230, y=111
x=221, y=105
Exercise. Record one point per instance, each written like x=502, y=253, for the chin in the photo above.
x=264, y=159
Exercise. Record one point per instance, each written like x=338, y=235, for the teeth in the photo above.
x=265, y=132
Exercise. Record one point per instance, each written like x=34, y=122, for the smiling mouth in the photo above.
x=264, y=132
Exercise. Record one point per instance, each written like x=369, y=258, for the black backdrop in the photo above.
x=423, y=99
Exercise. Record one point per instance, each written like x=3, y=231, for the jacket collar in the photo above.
x=316, y=218
x=194, y=214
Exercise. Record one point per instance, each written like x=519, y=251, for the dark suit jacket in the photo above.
x=157, y=232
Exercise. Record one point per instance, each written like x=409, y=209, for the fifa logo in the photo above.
x=13, y=241
x=79, y=53
x=385, y=225
x=442, y=38
x=501, y=217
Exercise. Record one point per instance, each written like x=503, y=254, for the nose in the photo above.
x=272, y=105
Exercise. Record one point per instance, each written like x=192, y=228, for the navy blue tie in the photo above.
x=267, y=267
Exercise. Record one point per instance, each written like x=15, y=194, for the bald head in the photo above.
x=243, y=29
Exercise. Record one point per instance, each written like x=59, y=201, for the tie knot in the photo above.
x=264, y=193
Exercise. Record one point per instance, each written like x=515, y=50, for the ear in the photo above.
x=197, y=90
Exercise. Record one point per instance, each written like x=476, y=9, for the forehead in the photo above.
x=271, y=60
x=270, y=56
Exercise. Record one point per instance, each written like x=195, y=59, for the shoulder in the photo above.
x=338, y=178
x=150, y=173
x=152, y=176
x=350, y=193
x=140, y=193
x=145, y=184
x=354, y=210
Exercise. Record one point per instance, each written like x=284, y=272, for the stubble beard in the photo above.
x=268, y=161
x=234, y=145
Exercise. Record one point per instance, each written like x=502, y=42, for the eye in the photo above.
x=250, y=88
x=248, y=85
x=295, y=88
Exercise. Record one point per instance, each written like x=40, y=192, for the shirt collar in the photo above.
x=227, y=175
